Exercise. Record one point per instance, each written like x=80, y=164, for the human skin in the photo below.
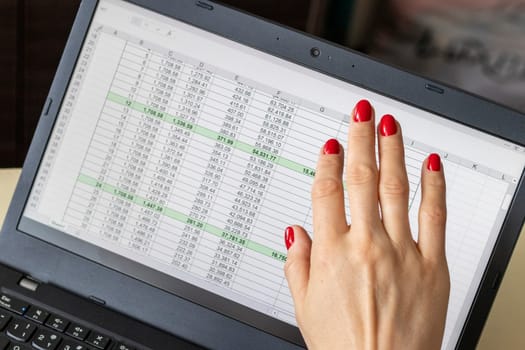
x=369, y=285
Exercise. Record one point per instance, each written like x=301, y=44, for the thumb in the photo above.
x=297, y=266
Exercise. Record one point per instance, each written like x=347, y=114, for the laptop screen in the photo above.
x=190, y=153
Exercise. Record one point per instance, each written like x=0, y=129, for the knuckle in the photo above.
x=365, y=252
x=394, y=186
x=361, y=174
x=362, y=133
x=376, y=251
x=394, y=148
x=326, y=187
x=330, y=162
x=364, y=256
x=434, y=214
x=397, y=145
x=325, y=257
x=435, y=183
x=438, y=274
x=324, y=262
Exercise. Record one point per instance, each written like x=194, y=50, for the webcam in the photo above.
x=315, y=52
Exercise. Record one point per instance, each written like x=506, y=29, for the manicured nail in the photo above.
x=362, y=111
x=289, y=237
x=331, y=147
x=387, y=126
x=434, y=162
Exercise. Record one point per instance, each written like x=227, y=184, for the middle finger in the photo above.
x=361, y=168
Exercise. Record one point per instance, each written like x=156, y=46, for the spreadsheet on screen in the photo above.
x=190, y=154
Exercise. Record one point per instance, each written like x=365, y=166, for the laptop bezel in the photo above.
x=58, y=266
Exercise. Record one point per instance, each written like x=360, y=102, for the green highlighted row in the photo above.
x=256, y=247
x=242, y=146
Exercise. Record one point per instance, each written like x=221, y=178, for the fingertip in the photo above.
x=388, y=125
x=289, y=237
x=433, y=184
x=296, y=236
x=363, y=111
x=432, y=172
x=331, y=146
x=433, y=162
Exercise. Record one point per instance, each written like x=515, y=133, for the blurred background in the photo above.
x=476, y=45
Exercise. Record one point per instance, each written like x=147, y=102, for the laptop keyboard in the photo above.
x=29, y=327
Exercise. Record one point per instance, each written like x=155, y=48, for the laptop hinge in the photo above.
x=29, y=284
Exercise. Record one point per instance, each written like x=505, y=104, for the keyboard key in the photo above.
x=71, y=345
x=13, y=346
x=120, y=346
x=20, y=330
x=13, y=304
x=3, y=342
x=58, y=323
x=4, y=318
x=98, y=340
x=77, y=331
x=45, y=340
x=37, y=314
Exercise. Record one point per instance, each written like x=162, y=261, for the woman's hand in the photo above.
x=369, y=285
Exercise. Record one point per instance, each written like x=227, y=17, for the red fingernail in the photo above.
x=289, y=237
x=362, y=111
x=434, y=162
x=387, y=126
x=331, y=147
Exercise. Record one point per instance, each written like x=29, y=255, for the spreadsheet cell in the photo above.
x=265, y=283
x=254, y=259
x=164, y=248
x=124, y=82
x=287, y=179
x=272, y=225
x=253, y=292
x=283, y=216
x=284, y=302
x=289, y=200
x=250, y=261
x=131, y=70
x=313, y=137
x=307, y=117
x=266, y=238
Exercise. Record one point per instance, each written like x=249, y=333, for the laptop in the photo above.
x=179, y=139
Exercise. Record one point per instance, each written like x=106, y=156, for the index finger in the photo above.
x=328, y=207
